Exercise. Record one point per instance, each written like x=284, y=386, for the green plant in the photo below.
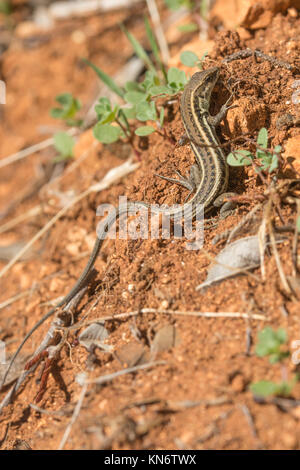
x=270, y=344
x=267, y=160
x=140, y=99
x=64, y=145
x=190, y=59
x=63, y=142
x=265, y=388
x=67, y=110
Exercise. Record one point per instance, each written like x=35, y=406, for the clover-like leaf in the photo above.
x=64, y=144
x=151, y=80
x=189, y=58
x=70, y=106
x=265, y=388
x=239, y=158
x=274, y=163
x=144, y=130
x=160, y=90
x=57, y=113
x=130, y=113
x=146, y=111
x=133, y=86
x=106, y=133
x=269, y=343
x=104, y=111
x=134, y=97
x=176, y=78
x=262, y=138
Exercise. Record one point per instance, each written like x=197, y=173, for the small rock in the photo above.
x=246, y=116
x=292, y=12
x=164, y=305
x=238, y=383
x=292, y=149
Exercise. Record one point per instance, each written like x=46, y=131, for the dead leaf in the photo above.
x=166, y=338
x=133, y=354
x=94, y=336
x=16, y=369
x=240, y=255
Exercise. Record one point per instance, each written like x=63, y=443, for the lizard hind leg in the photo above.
x=190, y=181
x=227, y=206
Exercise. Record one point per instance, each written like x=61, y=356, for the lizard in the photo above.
x=208, y=177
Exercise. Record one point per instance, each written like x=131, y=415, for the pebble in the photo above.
x=238, y=383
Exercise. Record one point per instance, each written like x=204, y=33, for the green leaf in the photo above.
x=154, y=46
x=284, y=388
x=200, y=64
x=274, y=163
x=139, y=50
x=146, y=111
x=105, y=112
x=134, y=97
x=263, y=388
x=281, y=335
x=64, y=144
x=160, y=90
x=262, y=138
x=130, y=113
x=144, y=130
x=105, y=103
x=70, y=106
x=176, y=78
x=106, y=79
x=57, y=113
x=189, y=58
x=106, y=133
x=239, y=158
x=279, y=356
x=269, y=342
x=188, y=28
x=65, y=99
x=266, y=388
x=162, y=117
x=151, y=80
x=133, y=86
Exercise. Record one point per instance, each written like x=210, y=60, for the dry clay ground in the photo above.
x=209, y=364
